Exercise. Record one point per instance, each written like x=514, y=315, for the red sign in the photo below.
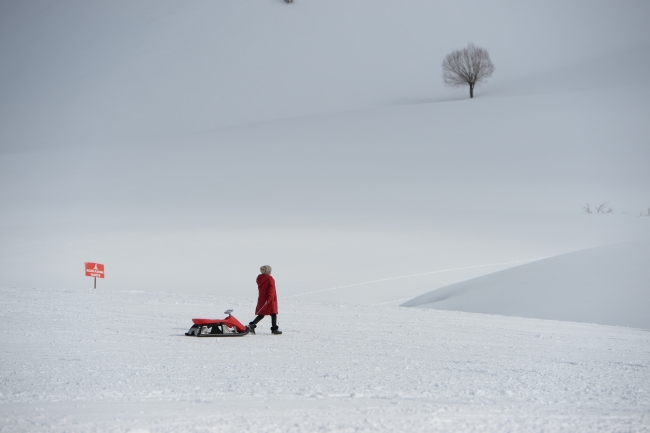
x=94, y=270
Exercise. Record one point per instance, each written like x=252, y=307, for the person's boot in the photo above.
x=251, y=328
x=275, y=330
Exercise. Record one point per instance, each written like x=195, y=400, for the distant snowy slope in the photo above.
x=79, y=73
x=607, y=285
x=184, y=144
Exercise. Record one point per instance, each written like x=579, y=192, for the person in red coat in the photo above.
x=267, y=301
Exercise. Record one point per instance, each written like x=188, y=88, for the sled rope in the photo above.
x=415, y=275
x=258, y=311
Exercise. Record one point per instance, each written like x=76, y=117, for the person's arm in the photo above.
x=271, y=293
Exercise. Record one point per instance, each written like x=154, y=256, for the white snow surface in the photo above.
x=117, y=361
x=184, y=144
x=607, y=285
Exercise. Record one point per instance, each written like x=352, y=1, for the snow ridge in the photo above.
x=414, y=275
x=607, y=285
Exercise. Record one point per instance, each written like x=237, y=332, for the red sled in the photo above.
x=228, y=327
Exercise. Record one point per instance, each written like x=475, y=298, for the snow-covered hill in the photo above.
x=608, y=285
x=333, y=200
x=84, y=361
x=185, y=144
x=93, y=73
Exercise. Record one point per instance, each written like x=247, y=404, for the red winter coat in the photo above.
x=266, y=286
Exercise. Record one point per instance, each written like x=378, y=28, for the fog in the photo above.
x=186, y=144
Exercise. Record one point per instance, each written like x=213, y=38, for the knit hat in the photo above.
x=266, y=269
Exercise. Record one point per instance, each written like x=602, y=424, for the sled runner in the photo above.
x=228, y=327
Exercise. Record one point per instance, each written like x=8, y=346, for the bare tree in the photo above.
x=467, y=67
x=602, y=209
x=586, y=208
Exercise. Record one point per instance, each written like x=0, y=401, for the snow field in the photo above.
x=309, y=139
x=606, y=285
x=84, y=361
x=184, y=144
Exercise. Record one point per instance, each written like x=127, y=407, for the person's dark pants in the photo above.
x=274, y=320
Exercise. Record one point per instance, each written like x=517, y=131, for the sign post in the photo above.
x=95, y=270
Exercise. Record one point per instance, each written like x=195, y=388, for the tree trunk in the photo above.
x=471, y=90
